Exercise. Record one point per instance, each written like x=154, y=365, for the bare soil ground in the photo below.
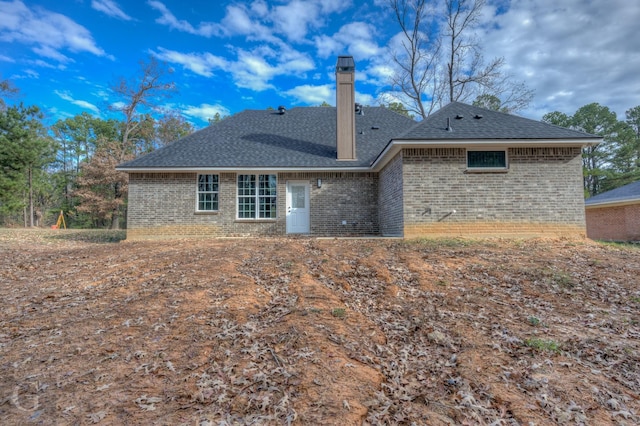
x=308, y=331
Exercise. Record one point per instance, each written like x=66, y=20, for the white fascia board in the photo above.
x=240, y=169
x=614, y=203
x=396, y=145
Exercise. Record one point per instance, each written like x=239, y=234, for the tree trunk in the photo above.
x=30, y=197
x=115, y=219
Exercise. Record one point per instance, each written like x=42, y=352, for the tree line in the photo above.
x=437, y=58
x=70, y=165
x=614, y=162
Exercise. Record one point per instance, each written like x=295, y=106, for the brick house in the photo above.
x=615, y=215
x=355, y=170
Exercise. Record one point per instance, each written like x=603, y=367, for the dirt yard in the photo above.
x=94, y=330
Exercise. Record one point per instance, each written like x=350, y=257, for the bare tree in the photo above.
x=143, y=92
x=100, y=180
x=417, y=57
x=465, y=64
x=441, y=60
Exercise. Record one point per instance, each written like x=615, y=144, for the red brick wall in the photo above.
x=620, y=223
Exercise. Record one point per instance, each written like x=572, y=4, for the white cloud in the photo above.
x=49, y=32
x=117, y=106
x=43, y=64
x=571, y=52
x=366, y=99
x=237, y=21
x=257, y=21
x=203, y=64
x=294, y=18
x=65, y=95
x=102, y=94
x=356, y=38
x=110, y=8
x=167, y=18
x=204, y=111
x=4, y=58
x=313, y=95
x=255, y=69
x=380, y=73
x=31, y=73
x=327, y=46
x=48, y=52
x=252, y=70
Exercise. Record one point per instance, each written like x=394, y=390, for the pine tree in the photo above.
x=24, y=151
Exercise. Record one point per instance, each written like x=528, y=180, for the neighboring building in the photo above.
x=355, y=170
x=615, y=215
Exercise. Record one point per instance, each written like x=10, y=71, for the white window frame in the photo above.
x=256, y=196
x=487, y=169
x=199, y=192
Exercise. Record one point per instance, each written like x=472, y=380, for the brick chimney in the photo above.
x=345, y=108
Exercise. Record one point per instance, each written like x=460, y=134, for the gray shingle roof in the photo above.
x=629, y=192
x=305, y=137
x=493, y=125
x=300, y=138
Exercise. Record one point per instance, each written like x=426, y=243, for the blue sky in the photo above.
x=232, y=55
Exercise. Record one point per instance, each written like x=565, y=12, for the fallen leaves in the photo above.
x=306, y=331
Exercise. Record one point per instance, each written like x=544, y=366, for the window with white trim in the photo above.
x=208, y=187
x=487, y=159
x=257, y=196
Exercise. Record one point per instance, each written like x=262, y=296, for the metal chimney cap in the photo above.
x=281, y=109
x=345, y=64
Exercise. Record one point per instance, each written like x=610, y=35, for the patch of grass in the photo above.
x=339, y=313
x=562, y=279
x=533, y=321
x=555, y=277
x=635, y=299
x=542, y=345
x=435, y=243
x=366, y=250
x=633, y=245
x=89, y=235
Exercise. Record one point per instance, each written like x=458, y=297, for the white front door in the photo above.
x=298, y=207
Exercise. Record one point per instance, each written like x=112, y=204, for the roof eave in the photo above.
x=394, y=146
x=620, y=202
x=241, y=169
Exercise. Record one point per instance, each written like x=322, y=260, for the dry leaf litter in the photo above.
x=311, y=331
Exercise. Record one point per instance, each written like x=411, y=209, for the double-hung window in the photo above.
x=208, y=187
x=487, y=160
x=257, y=196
